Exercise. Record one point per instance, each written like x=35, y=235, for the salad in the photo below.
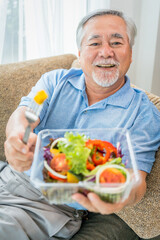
x=76, y=157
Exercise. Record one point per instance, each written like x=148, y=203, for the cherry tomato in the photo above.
x=112, y=175
x=59, y=163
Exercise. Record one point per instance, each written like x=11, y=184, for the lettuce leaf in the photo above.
x=76, y=152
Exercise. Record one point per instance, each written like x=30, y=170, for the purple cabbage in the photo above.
x=119, y=150
x=47, y=155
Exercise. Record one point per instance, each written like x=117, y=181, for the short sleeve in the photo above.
x=48, y=83
x=145, y=138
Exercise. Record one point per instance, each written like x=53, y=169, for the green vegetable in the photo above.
x=76, y=152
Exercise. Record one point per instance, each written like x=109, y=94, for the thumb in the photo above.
x=32, y=140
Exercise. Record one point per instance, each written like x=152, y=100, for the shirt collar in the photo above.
x=78, y=79
x=121, y=98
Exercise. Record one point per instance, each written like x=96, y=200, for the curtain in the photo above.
x=3, y=15
x=37, y=28
x=41, y=28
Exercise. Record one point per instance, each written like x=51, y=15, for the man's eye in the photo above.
x=116, y=43
x=94, y=44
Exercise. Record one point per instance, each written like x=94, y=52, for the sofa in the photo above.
x=17, y=79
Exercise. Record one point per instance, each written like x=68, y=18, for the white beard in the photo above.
x=106, y=78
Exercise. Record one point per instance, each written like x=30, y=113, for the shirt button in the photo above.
x=85, y=111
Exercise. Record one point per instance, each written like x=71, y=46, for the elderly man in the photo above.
x=97, y=95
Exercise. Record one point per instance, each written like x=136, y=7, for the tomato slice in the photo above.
x=112, y=175
x=56, y=178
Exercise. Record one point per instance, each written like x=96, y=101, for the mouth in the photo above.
x=106, y=65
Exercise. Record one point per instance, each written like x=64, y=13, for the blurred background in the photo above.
x=31, y=29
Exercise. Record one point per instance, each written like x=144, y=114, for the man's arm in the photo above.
x=18, y=154
x=94, y=204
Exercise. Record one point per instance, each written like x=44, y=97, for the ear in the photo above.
x=131, y=56
x=79, y=54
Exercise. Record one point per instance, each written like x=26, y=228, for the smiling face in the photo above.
x=105, y=54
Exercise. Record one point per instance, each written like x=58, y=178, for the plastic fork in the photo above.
x=32, y=112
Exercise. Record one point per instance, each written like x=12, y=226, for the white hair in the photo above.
x=131, y=27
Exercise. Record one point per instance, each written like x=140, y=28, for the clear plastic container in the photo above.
x=60, y=193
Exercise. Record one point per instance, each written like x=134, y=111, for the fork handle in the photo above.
x=26, y=134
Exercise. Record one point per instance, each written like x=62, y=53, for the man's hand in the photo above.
x=18, y=154
x=94, y=204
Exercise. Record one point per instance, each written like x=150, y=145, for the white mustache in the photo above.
x=106, y=62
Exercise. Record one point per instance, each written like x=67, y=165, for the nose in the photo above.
x=106, y=51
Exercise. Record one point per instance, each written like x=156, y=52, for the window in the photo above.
x=41, y=28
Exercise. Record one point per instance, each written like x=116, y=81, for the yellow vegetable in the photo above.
x=72, y=178
x=54, y=151
x=40, y=97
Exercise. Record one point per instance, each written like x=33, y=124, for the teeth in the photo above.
x=107, y=66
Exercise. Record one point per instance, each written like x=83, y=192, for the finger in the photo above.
x=104, y=207
x=20, y=166
x=20, y=163
x=17, y=143
x=32, y=141
x=12, y=153
x=84, y=201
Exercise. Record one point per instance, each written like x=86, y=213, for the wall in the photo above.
x=155, y=88
x=144, y=71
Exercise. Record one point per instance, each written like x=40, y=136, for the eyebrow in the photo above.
x=93, y=37
x=114, y=35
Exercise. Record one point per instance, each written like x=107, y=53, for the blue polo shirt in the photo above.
x=67, y=108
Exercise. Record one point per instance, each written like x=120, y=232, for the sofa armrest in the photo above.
x=17, y=79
